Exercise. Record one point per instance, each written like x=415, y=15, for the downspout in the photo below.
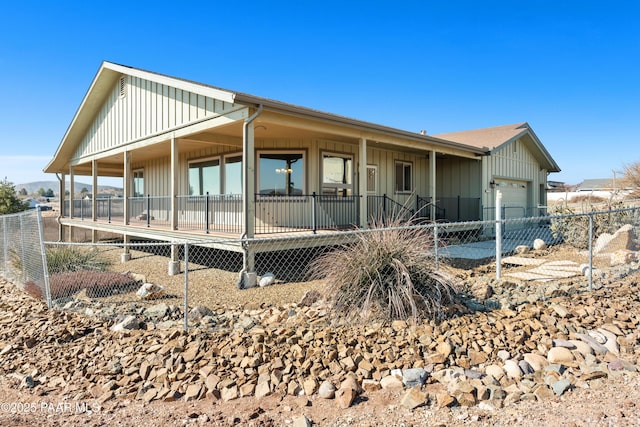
x=246, y=277
x=245, y=154
x=59, y=216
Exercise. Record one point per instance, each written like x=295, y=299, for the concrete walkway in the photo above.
x=487, y=248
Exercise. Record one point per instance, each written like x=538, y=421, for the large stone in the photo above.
x=495, y=371
x=157, y=311
x=301, y=421
x=263, y=389
x=537, y=361
x=539, y=244
x=327, y=390
x=345, y=397
x=609, y=243
x=622, y=256
x=512, y=369
x=197, y=313
x=561, y=355
x=391, y=382
x=310, y=386
x=522, y=249
x=414, y=377
x=150, y=291
x=129, y=322
x=267, y=279
x=560, y=386
x=414, y=398
x=229, y=393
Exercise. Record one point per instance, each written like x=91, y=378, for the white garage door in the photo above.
x=514, y=197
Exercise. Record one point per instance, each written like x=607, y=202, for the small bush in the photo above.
x=65, y=259
x=96, y=283
x=574, y=227
x=387, y=274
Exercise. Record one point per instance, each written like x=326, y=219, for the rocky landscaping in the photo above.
x=508, y=344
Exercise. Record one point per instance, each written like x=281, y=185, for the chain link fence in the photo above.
x=23, y=258
x=128, y=281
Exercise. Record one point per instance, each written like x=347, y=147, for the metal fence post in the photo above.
x=148, y=210
x=590, y=251
x=109, y=210
x=206, y=213
x=435, y=245
x=314, y=226
x=6, y=244
x=45, y=266
x=186, y=286
x=22, y=249
x=498, y=234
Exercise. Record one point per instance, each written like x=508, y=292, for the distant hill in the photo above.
x=33, y=187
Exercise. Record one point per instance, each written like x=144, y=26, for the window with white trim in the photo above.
x=372, y=179
x=337, y=174
x=281, y=173
x=204, y=177
x=233, y=174
x=403, y=177
x=138, y=183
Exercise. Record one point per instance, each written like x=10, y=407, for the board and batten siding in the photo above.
x=458, y=177
x=144, y=109
x=513, y=162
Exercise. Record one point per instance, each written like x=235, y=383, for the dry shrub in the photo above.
x=573, y=227
x=64, y=259
x=96, y=283
x=387, y=274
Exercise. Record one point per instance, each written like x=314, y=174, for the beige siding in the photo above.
x=514, y=164
x=458, y=177
x=147, y=108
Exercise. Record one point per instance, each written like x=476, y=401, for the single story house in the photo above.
x=198, y=162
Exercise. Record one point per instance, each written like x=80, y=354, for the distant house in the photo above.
x=604, y=184
x=199, y=161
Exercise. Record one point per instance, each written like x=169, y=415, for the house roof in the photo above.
x=596, y=184
x=494, y=138
x=109, y=73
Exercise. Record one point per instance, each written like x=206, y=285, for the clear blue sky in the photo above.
x=569, y=68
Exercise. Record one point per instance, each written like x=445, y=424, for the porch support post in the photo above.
x=126, y=255
x=432, y=183
x=94, y=198
x=174, y=182
x=62, y=200
x=248, y=180
x=174, y=262
x=71, y=201
x=362, y=183
x=248, y=275
x=126, y=186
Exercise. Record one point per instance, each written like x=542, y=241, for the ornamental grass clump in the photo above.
x=66, y=259
x=386, y=274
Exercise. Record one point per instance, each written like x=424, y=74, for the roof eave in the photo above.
x=286, y=108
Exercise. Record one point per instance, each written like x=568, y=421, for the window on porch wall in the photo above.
x=281, y=173
x=204, y=177
x=233, y=175
x=403, y=181
x=337, y=174
x=138, y=183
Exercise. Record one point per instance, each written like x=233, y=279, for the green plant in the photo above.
x=65, y=259
x=9, y=201
x=388, y=273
